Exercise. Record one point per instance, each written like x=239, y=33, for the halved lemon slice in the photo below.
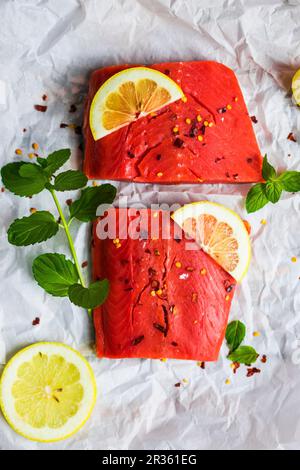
x=128, y=96
x=296, y=87
x=220, y=232
x=47, y=392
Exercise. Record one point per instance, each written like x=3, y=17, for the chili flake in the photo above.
x=35, y=146
x=263, y=359
x=291, y=137
x=254, y=119
x=175, y=130
x=229, y=106
x=33, y=210
x=200, y=138
x=263, y=222
x=84, y=264
x=203, y=272
x=36, y=321
x=199, y=118
x=69, y=202
x=253, y=370
x=227, y=381
x=18, y=152
x=178, y=264
x=206, y=123
x=235, y=366
x=178, y=384
x=188, y=121
x=294, y=259
x=201, y=364
x=256, y=334
x=40, y=108
x=137, y=340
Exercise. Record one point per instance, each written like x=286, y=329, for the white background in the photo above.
x=50, y=46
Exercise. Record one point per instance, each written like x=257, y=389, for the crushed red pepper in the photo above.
x=138, y=340
x=41, y=108
x=291, y=137
x=235, y=366
x=63, y=125
x=263, y=359
x=177, y=385
x=36, y=321
x=73, y=108
x=253, y=370
x=69, y=202
x=254, y=119
x=84, y=264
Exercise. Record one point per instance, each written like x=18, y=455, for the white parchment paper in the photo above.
x=50, y=46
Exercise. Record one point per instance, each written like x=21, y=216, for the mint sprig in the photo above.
x=235, y=335
x=262, y=193
x=53, y=272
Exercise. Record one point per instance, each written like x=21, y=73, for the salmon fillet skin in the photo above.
x=165, y=300
x=148, y=150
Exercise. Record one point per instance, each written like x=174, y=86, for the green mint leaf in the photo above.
x=56, y=160
x=256, y=198
x=42, y=161
x=32, y=171
x=290, y=181
x=54, y=273
x=235, y=334
x=244, y=355
x=85, y=208
x=70, y=180
x=34, y=229
x=268, y=171
x=22, y=185
x=273, y=190
x=89, y=297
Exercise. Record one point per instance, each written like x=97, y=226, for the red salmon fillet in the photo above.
x=148, y=151
x=187, y=316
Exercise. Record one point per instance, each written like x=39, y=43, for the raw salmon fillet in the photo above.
x=148, y=151
x=165, y=301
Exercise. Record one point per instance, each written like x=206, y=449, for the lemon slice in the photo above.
x=129, y=95
x=47, y=392
x=296, y=87
x=220, y=232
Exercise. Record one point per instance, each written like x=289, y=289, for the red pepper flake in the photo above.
x=254, y=119
x=247, y=226
x=291, y=137
x=263, y=359
x=2, y=190
x=138, y=340
x=235, y=366
x=201, y=365
x=44, y=97
x=36, y=321
x=177, y=385
x=253, y=370
x=174, y=344
x=41, y=108
x=63, y=125
x=69, y=202
x=84, y=264
x=24, y=130
x=73, y=108
x=222, y=110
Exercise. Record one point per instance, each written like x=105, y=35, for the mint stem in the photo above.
x=70, y=240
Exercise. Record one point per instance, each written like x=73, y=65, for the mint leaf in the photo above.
x=85, y=208
x=256, y=198
x=273, y=190
x=268, y=171
x=70, y=180
x=34, y=229
x=290, y=181
x=32, y=171
x=244, y=355
x=42, y=162
x=54, y=273
x=89, y=297
x=56, y=160
x=235, y=334
x=27, y=185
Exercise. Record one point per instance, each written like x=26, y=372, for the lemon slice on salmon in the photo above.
x=220, y=232
x=129, y=95
x=296, y=87
x=47, y=392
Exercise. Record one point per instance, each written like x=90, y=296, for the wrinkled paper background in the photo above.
x=51, y=46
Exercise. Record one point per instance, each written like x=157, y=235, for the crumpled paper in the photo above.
x=50, y=47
